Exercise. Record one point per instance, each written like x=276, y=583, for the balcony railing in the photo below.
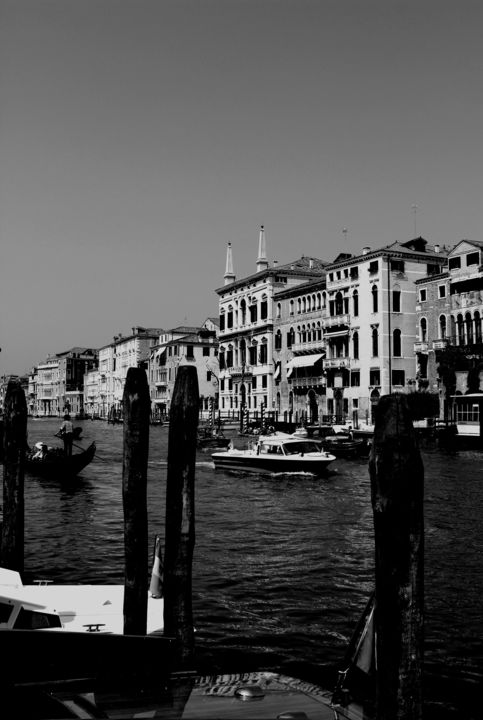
x=441, y=344
x=466, y=300
x=240, y=370
x=337, y=320
x=340, y=362
x=307, y=381
x=308, y=347
x=420, y=347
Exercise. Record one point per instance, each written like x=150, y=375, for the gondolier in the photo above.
x=67, y=434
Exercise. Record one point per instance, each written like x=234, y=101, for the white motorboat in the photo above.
x=76, y=608
x=277, y=453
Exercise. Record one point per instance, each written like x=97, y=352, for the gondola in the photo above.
x=56, y=464
x=75, y=435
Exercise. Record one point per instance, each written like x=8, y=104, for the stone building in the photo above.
x=449, y=312
x=194, y=346
x=250, y=364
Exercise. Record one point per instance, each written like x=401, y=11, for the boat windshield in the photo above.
x=296, y=448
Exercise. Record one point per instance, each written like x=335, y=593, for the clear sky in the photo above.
x=139, y=137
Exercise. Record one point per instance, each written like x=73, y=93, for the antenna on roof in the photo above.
x=344, y=232
x=414, y=208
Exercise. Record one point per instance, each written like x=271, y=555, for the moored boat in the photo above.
x=277, y=453
x=210, y=438
x=54, y=463
x=75, y=608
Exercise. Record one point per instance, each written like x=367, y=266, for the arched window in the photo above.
x=442, y=327
x=477, y=327
x=339, y=304
x=264, y=307
x=375, y=342
x=304, y=305
x=243, y=311
x=278, y=340
x=469, y=329
x=222, y=319
x=299, y=305
x=423, y=330
x=355, y=346
x=324, y=300
x=229, y=317
x=374, y=299
x=355, y=303
x=396, y=343
x=291, y=307
x=279, y=309
x=319, y=301
x=461, y=330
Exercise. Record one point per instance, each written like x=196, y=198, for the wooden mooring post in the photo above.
x=397, y=490
x=14, y=448
x=180, y=515
x=136, y=409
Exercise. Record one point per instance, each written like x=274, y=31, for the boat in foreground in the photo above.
x=74, y=608
x=54, y=463
x=277, y=453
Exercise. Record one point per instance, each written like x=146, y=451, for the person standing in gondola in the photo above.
x=67, y=434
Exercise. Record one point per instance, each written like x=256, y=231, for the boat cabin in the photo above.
x=466, y=413
x=17, y=613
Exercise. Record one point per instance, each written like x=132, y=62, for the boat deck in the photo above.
x=88, y=607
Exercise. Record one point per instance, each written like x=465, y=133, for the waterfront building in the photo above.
x=370, y=324
x=299, y=351
x=248, y=312
x=195, y=346
x=316, y=341
x=56, y=386
x=449, y=312
x=114, y=361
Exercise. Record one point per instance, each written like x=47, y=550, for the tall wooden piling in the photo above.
x=397, y=490
x=14, y=447
x=136, y=409
x=180, y=514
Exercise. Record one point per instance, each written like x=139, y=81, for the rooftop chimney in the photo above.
x=436, y=248
x=365, y=250
x=262, y=262
x=229, y=274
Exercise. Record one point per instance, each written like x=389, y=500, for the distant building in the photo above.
x=114, y=361
x=195, y=346
x=449, y=313
x=56, y=386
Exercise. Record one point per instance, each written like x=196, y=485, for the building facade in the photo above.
x=249, y=313
x=194, y=346
x=114, y=361
x=449, y=312
x=319, y=341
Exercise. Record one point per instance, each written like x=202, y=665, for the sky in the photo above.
x=139, y=137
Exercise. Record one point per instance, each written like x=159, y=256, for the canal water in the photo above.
x=283, y=566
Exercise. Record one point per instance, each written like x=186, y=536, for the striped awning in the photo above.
x=302, y=361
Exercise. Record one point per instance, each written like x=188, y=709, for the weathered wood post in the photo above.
x=14, y=447
x=180, y=514
x=136, y=409
x=397, y=489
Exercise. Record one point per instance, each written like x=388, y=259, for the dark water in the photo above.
x=283, y=566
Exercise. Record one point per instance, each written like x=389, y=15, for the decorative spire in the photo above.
x=229, y=274
x=262, y=262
